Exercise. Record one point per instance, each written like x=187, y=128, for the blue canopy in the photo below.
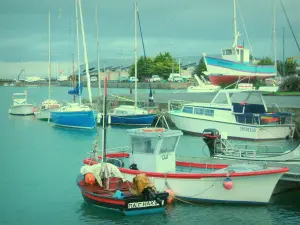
x=76, y=90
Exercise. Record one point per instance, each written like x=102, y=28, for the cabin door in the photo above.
x=242, y=55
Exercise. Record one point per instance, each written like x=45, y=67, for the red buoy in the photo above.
x=228, y=183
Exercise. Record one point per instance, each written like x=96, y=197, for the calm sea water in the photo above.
x=39, y=165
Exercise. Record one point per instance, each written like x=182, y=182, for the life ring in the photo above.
x=151, y=111
x=153, y=129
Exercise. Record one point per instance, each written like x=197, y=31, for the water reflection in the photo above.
x=23, y=118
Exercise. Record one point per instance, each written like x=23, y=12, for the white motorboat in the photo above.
x=152, y=152
x=20, y=105
x=242, y=114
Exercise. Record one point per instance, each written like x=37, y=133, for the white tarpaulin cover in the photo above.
x=98, y=170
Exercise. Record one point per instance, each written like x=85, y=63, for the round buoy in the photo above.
x=89, y=178
x=151, y=111
x=227, y=183
x=171, y=196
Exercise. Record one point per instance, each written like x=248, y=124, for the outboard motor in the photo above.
x=209, y=137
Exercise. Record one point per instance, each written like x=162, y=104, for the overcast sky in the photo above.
x=182, y=27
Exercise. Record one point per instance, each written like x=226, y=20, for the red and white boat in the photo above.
x=153, y=153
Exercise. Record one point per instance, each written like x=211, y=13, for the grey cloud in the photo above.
x=182, y=27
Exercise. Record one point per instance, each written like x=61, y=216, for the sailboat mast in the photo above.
x=283, y=57
x=49, y=58
x=57, y=69
x=104, y=122
x=234, y=24
x=98, y=57
x=85, y=56
x=135, y=54
x=78, y=57
x=74, y=78
x=274, y=35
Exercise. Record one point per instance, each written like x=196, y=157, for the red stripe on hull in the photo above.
x=105, y=200
x=228, y=79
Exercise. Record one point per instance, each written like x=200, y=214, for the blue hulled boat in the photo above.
x=75, y=115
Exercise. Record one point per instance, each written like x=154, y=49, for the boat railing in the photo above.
x=260, y=147
x=122, y=149
x=257, y=119
x=176, y=104
x=246, y=150
x=276, y=106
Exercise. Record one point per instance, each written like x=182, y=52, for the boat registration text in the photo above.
x=248, y=129
x=134, y=205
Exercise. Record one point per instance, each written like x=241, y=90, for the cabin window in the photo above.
x=187, y=109
x=238, y=51
x=143, y=145
x=228, y=52
x=208, y=112
x=168, y=144
x=198, y=110
x=221, y=99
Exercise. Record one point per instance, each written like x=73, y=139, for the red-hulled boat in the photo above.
x=103, y=185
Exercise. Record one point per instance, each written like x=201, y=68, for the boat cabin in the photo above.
x=238, y=54
x=241, y=106
x=154, y=149
x=19, y=98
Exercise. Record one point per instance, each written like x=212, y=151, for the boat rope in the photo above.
x=189, y=202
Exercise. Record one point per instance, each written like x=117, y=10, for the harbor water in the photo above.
x=40, y=163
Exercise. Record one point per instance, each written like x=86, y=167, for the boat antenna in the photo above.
x=49, y=58
x=98, y=56
x=85, y=55
x=290, y=25
x=145, y=57
x=135, y=55
x=78, y=53
x=104, y=123
x=274, y=35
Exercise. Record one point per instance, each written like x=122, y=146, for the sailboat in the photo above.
x=104, y=185
x=235, y=63
x=127, y=114
x=43, y=111
x=77, y=115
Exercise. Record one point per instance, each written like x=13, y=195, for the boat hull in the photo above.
x=143, y=119
x=43, y=114
x=121, y=206
x=195, y=126
x=75, y=119
x=246, y=189
x=229, y=79
x=22, y=110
